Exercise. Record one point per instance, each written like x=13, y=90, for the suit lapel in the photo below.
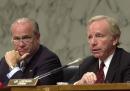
x=95, y=65
x=113, y=67
x=29, y=72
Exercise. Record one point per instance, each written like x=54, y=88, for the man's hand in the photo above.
x=87, y=78
x=13, y=57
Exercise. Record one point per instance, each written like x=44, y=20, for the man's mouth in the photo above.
x=96, y=50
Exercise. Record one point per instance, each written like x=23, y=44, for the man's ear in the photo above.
x=115, y=40
x=38, y=35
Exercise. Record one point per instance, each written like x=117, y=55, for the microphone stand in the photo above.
x=51, y=72
x=33, y=82
x=57, y=69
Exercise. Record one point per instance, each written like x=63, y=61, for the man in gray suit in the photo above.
x=29, y=58
x=103, y=37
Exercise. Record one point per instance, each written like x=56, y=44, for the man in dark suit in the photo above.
x=103, y=38
x=28, y=59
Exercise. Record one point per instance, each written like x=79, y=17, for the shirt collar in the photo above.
x=107, y=61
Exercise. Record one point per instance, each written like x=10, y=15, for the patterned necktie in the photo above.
x=22, y=65
x=100, y=74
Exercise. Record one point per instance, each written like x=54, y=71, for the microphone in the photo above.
x=58, y=69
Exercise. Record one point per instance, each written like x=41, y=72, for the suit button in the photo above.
x=30, y=70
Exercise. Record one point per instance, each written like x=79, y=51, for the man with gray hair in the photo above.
x=29, y=58
x=108, y=63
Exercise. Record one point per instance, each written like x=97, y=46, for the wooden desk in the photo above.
x=110, y=87
x=35, y=88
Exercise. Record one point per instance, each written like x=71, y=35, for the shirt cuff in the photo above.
x=12, y=72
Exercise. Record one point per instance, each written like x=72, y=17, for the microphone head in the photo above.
x=75, y=61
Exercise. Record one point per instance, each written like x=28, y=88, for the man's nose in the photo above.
x=21, y=42
x=93, y=41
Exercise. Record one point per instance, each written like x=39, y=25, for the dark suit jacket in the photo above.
x=119, y=68
x=43, y=61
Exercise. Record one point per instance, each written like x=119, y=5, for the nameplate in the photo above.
x=23, y=82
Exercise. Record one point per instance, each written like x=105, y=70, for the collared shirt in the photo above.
x=13, y=71
x=17, y=68
x=107, y=63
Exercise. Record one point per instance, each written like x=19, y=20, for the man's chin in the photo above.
x=96, y=55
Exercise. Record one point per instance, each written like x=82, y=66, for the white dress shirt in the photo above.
x=107, y=63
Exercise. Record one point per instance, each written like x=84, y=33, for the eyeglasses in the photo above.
x=24, y=39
